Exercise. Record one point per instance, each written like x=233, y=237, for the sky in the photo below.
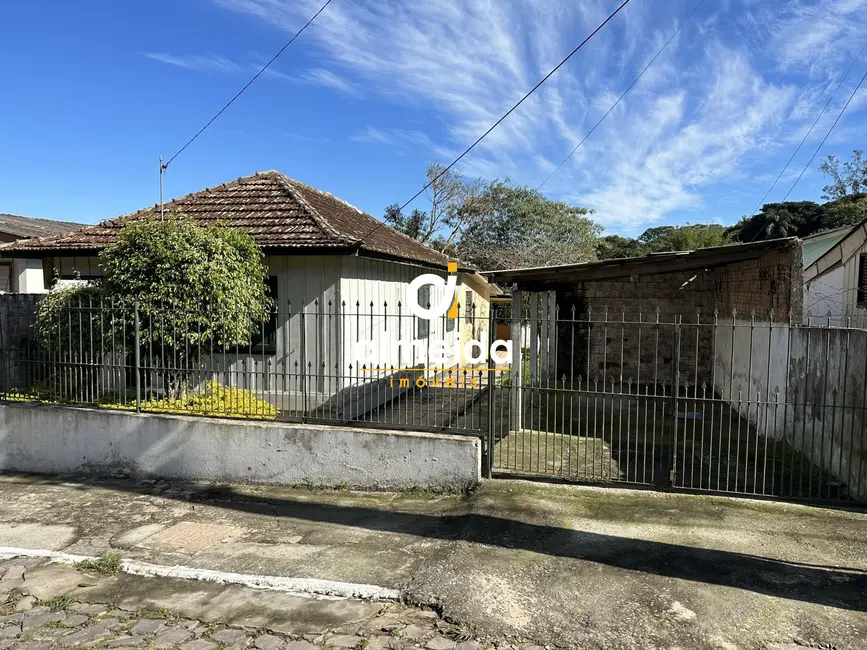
x=94, y=91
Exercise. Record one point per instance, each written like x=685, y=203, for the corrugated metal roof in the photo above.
x=647, y=264
x=276, y=211
x=815, y=246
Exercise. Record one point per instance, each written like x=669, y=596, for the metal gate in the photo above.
x=702, y=403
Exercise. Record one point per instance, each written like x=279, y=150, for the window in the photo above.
x=862, y=280
x=423, y=323
x=264, y=339
x=468, y=306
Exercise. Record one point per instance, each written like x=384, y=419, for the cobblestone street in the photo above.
x=28, y=623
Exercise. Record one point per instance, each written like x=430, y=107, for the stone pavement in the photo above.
x=61, y=619
x=563, y=566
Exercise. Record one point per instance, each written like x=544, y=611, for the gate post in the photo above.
x=137, y=357
x=675, y=389
x=516, y=416
x=489, y=457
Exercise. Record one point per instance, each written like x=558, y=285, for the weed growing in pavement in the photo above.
x=107, y=564
x=61, y=602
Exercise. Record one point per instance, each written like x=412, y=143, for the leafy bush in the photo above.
x=215, y=400
x=196, y=288
x=71, y=322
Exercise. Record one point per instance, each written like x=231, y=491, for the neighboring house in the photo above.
x=339, y=278
x=25, y=275
x=835, y=276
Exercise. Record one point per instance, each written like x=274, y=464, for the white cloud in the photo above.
x=197, y=63
x=731, y=90
x=322, y=77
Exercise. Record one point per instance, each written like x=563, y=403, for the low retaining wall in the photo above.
x=58, y=439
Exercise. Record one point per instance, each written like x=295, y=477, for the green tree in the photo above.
x=197, y=288
x=615, y=246
x=848, y=211
x=776, y=220
x=517, y=227
x=683, y=238
x=851, y=179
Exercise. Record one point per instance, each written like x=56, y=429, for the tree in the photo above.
x=852, y=179
x=451, y=199
x=787, y=219
x=197, y=289
x=614, y=246
x=848, y=211
x=683, y=238
x=518, y=227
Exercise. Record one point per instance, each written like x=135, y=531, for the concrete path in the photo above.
x=565, y=566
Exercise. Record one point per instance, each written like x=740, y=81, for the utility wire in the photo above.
x=807, y=135
x=821, y=144
x=248, y=84
x=625, y=92
x=809, y=162
x=509, y=112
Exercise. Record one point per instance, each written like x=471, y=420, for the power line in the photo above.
x=809, y=162
x=509, y=112
x=821, y=144
x=625, y=92
x=807, y=135
x=247, y=85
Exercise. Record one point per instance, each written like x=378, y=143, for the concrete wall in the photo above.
x=57, y=439
x=807, y=385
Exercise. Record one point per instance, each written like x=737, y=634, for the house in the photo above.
x=835, y=276
x=24, y=275
x=340, y=280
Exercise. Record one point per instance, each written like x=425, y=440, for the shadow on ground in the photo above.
x=830, y=585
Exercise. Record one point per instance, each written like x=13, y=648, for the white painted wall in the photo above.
x=57, y=439
x=28, y=276
x=825, y=295
x=805, y=384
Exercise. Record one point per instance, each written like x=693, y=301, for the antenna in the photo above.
x=162, y=171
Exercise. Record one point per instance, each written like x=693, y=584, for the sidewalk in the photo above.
x=564, y=566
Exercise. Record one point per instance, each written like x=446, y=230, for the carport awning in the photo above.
x=539, y=277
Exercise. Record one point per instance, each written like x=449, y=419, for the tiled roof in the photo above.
x=33, y=227
x=279, y=213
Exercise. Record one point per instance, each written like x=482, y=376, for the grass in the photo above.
x=574, y=457
x=158, y=614
x=61, y=602
x=107, y=564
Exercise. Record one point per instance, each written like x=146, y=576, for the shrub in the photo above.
x=215, y=400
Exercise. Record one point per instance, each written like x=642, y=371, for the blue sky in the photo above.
x=94, y=91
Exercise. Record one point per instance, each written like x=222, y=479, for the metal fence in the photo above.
x=346, y=363
x=715, y=403
x=712, y=403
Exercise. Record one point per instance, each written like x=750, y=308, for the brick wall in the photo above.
x=617, y=335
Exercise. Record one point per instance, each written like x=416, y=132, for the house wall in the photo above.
x=824, y=297
x=851, y=268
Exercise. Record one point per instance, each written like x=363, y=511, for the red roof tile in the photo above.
x=279, y=213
